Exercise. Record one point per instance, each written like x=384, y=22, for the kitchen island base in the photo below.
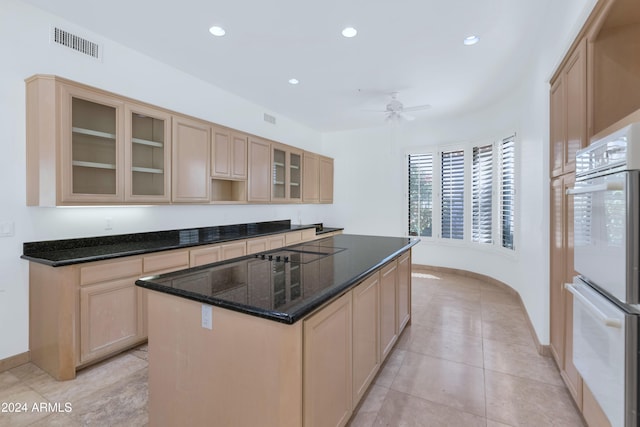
x=247, y=370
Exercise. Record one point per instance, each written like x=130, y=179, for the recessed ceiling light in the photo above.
x=349, y=32
x=217, y=31
x=294, y=81
x=471, y=40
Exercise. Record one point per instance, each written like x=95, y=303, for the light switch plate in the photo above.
x=207, y=316
x=7, y=228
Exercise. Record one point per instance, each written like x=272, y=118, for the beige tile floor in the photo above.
x=467, y=359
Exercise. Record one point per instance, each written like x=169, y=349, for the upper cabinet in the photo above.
x=147, y=154
x=86, y=146
x=286, y=173
x=259, y=170
x=614, y=63
x=318, y=178
x=568, y=105
x=228, y=166
x=325, y=179
x=190, y=160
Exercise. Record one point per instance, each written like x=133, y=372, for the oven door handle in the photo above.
x=607, y=186
x=602, y=317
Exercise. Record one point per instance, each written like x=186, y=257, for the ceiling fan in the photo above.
x=397, y=112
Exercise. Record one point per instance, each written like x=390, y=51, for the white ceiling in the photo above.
x=411, y=46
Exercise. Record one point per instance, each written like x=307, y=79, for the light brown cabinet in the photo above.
x=327, y=365
x=569, y=112
x=190, y=161
x=286, y=173
x=228, y=166
x=326, y=179
x=147, y=155
x=561, y=272
x=259, y=188
x=311, y=178
x=404, y=291
x=86, y=146
x=388, y=308
x=110, y=308
x=366, y=334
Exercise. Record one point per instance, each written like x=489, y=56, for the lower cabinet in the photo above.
x=388, y=308
x=311, y=373
x=366, y=334
x=110, y=318
x=327, y=366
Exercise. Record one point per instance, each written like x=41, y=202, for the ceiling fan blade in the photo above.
x=407, y=117
x=417, y=107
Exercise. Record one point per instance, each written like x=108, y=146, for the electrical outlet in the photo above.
x=207, y=316
x=108, y=223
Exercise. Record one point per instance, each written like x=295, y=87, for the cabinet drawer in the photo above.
x=206, y=255
x=293, y=238
x=234, y=250
x=308, y=234
x=257, y=245
x=166, y=262
x=110, y=270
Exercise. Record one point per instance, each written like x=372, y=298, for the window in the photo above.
x=452, y=199
x=507, y=191
x=482, y=194
x=464, y=193
x=421, y=195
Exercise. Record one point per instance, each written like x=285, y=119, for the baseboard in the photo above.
x=13, y=361
x=543, y=350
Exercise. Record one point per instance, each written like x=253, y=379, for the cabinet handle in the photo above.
x=602, y=317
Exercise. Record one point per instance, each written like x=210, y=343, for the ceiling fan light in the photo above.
x=349, y=32
x=294, y=81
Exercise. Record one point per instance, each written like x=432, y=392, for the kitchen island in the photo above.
x=282, y=338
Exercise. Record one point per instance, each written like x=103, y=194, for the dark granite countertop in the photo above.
x=315, y=273
x=58, y=253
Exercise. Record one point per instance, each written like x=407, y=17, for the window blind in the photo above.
x=452, y=189
x=482, y=189
x=507, y=191
x=421, y=195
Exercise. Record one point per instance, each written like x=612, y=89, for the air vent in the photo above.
x=75, y=42
x=269, y=118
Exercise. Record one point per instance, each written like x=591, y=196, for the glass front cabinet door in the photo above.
x=286, y=174
x=92, y=134
x=147, y=151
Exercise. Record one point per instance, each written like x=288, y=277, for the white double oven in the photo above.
x=606, y=303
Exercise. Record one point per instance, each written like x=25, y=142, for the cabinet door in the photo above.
x=327, y=366
x=92, y=135
x=190, y=160
x=147, y=154
x=556, y=281
x=206, y=255
x=294, y=177
x=311, y=174
x=234, y=250
x=279, y=173
x=557, y=126
x=366, y=335
x=259, y=170
x=404, y=290
x=221, y=153
x=569, y=372
x=388, y=306
x=326, y=179
x=239, y=155
x=109, y=318
x=575, y=77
